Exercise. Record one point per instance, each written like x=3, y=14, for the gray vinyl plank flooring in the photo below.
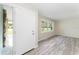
x=58, y=45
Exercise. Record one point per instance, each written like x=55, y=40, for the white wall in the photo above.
x=68, y=27
x=46, y=35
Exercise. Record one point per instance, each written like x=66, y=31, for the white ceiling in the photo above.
x=58, y=11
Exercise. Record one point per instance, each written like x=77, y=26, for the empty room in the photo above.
x=39, y=29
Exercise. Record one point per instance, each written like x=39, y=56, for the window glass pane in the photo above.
x=46, y=25
x=43, y=25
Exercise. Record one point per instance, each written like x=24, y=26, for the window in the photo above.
x=46, y=25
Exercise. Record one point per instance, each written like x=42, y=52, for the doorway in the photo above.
x=7, y=30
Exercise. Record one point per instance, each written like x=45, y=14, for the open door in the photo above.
x=25, y=30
